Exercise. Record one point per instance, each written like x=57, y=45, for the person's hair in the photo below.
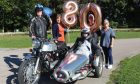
x=91, y=16
x=58, y=15
x=106, y=20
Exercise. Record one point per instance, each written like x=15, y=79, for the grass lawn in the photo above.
x=127, y=73
x=15, y=41
x=126, y=35
x=24, y=41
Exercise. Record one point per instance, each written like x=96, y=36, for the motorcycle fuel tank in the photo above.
x=48, y=46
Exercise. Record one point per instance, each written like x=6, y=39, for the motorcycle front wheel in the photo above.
x=26, y=72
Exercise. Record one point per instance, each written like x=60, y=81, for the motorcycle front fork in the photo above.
x=36, y=65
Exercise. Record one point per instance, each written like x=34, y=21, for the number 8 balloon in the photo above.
x=70, y=9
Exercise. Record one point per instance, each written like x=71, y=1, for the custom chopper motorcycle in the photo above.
x=42, y=59
x=77, y=65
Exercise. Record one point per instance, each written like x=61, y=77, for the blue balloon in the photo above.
x=47, y=11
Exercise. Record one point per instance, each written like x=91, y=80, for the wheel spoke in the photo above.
x=29, y=77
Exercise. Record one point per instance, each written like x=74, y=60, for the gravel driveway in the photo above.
x=10, y=60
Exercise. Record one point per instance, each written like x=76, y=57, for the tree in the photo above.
x=15, y=14
x=133, y=11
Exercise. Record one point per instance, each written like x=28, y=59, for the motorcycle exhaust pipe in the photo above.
x=61, y=76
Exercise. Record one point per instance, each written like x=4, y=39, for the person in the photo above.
x=86, y=40
x=58, y=31
x=38, y=25
x=91, y=19
x=94, y=34
x=107, y=42
x=55, y=27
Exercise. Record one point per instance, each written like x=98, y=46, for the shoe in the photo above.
x=110, y=67
x=106, y=65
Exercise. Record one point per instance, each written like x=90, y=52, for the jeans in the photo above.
x=108, y=55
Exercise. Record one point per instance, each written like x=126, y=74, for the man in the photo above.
x=107, y=41
x=89, y=41
x=95, y=33
x=38, y=25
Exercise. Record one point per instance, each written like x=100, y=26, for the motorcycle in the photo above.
x=42, y=59
x=78, y=64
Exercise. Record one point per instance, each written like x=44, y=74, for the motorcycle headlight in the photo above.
x=36, y=43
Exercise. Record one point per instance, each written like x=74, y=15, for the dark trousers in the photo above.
x=108, y=55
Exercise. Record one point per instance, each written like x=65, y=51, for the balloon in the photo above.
x=70, y=9
x=96, y=11
x=47, y=11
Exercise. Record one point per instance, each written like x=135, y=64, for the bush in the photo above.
x=113, y=24
x=25, y=29
x=123, y=26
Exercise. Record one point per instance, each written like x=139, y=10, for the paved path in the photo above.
x=10, y=60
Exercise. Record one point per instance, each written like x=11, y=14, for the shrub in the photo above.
x=113, y=24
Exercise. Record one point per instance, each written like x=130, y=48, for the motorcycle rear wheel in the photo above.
x=99, y=68
x=26, y=72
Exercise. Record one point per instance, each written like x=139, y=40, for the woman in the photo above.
x=58, y=32
x=58, y=35
x=107, y=42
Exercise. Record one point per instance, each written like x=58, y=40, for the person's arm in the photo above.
x=50, y=21
x=54, y=30
x=57, y=31
x=31, y=28
x=95, y=48
x=112, y=43
x=98, y=32
x=112, y=38
x=75, y=45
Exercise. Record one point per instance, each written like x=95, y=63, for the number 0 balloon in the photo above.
x=96, y=11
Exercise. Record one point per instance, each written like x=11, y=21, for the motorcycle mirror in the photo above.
x=30, y=50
